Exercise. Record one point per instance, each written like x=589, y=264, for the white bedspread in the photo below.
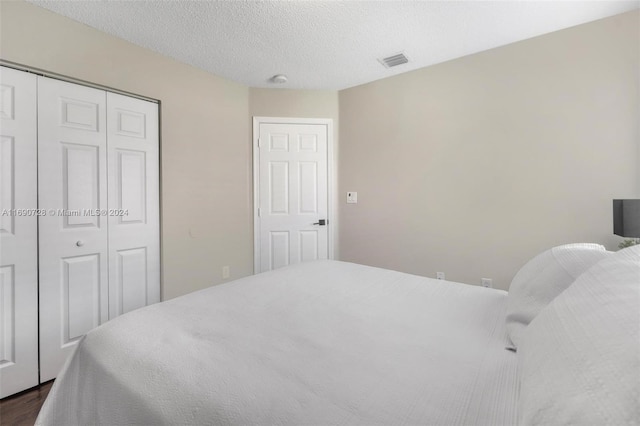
x=318, y=343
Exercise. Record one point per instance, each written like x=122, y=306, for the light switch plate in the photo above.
x=352, y=197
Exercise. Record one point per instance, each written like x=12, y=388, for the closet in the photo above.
x=79, y=216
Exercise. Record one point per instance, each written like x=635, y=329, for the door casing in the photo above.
x=331, y=187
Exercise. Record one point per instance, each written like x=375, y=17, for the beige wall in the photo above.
x=473, y=166
x=294, y=103
x=206, y=186
x=468, y=167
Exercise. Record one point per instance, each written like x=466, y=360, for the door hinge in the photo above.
x=259, y=212
x=259, y=142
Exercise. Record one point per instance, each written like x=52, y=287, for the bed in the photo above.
x=324, y=342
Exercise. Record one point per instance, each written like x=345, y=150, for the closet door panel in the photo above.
x=18, y=232
x=134, y=227
x=72, y=179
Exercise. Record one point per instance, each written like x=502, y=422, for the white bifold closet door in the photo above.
x=18, y=232
x=99, y=243
x=72, y=180
x=133, y=181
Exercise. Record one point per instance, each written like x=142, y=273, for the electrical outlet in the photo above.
x=225, y=272
x=352, y=197
x=440, y=275
x=487, y=282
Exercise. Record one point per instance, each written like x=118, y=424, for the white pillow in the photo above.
x=543, y=278
x=579, y=360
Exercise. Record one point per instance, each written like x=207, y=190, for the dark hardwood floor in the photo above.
x=22, y=409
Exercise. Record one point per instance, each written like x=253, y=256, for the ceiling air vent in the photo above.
x=394, y=60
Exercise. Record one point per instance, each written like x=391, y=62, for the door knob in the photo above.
x=80, y=243
x=321, y=222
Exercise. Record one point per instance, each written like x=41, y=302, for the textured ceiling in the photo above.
x=326, y=44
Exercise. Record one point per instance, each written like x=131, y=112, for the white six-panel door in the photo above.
x=18, y=232
x=293, y=194
x=134, y=240
x=72, y=189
